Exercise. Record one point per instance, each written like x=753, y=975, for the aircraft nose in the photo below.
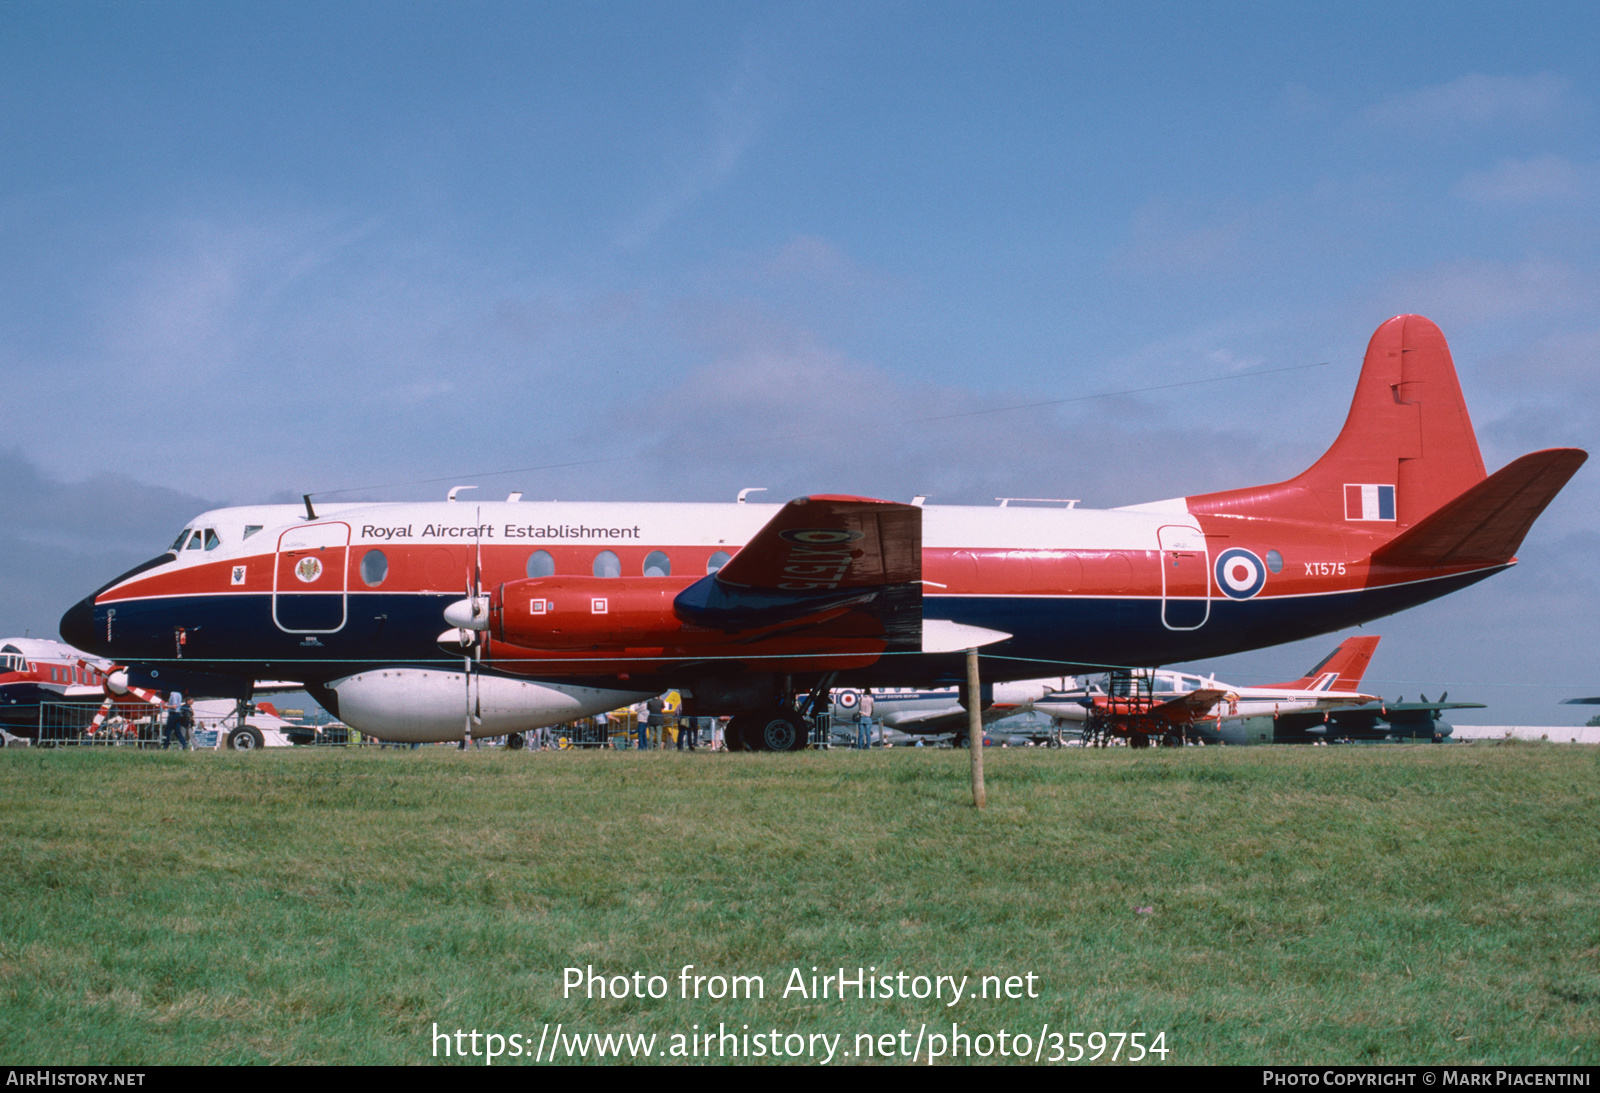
x=77, y=625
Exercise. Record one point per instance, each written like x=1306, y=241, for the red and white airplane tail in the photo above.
x=1406, y=465
x=1341, y=670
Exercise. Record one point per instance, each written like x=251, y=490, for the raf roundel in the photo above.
x=1240, y=573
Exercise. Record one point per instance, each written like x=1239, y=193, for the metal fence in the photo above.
x=71, y=724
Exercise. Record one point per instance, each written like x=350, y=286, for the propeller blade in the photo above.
x=100, y=715
x=477, y=608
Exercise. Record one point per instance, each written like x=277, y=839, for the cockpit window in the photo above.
x=177, y=544
x=251, y=529
x=196, y=541
x=212, y=542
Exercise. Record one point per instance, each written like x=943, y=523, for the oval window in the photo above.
x=374, y=568
x=1274, y=561
x=657, y=564
x=717, y=561
x=540, y=564
x=606, y=564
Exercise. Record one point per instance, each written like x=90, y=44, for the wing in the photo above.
x=818, y=555
x=1189, y=707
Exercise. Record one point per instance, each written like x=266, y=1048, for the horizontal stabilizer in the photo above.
x=1485, y=525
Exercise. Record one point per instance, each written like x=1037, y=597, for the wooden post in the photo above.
x=975, y=728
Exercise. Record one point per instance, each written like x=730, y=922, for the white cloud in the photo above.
x=1475, y=100
x=737, y=115
x=1477, y=290
x=1163, y=241
x=1529, y=181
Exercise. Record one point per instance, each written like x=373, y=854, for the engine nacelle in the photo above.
x=423, y=705
x=585, y=612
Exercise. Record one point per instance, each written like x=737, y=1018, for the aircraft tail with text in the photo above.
x=1405, y=477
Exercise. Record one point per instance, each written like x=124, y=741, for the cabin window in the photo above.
x=607, y=564
x=374, y=568
x=717, y=561
x=657, y=564
x=1274, y=561
x=540, y=564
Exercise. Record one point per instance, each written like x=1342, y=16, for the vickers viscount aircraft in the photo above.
x=554, y=611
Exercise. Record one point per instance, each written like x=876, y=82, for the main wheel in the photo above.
x=733, y=735
x=777, y=730
x=514, y=742
x=246, y=738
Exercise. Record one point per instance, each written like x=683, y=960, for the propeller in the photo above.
x=116, y=685
x=471, y=617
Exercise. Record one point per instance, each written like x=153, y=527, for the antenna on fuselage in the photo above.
x=310, y=512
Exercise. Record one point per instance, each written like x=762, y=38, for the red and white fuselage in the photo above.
x=561, y=609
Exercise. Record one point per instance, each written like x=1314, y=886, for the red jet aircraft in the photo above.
x=554, y=611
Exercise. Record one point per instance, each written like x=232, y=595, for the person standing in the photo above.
x=864, y=721
x=178, y=717
x=655, y=710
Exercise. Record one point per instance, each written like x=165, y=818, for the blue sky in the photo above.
x=250, y=251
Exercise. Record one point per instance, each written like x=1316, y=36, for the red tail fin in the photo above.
x=1406, y=449
x=1347, y=664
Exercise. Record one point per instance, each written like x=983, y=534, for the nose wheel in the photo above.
x=246, y=738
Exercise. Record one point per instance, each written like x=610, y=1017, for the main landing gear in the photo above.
x=767, y=730
x=780, y=727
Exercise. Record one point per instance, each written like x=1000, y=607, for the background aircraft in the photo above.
x=1421, y=720
x=1151, y=705
x=943, y=711
x=35, y=671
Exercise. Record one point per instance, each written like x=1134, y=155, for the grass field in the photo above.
x=1404, y=904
